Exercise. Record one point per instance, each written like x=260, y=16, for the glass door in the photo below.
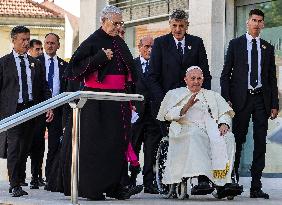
x=273, y=34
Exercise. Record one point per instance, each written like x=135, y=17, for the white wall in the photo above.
x=209, y=21
x=68, y=38
x=89, y=17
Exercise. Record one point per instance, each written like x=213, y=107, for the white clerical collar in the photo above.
x=46, y=56
x=182, y=41
x=143, y=60
x=250, y=38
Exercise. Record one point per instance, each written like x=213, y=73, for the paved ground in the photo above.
x=273, y=186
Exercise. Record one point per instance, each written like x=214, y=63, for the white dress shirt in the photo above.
x=143, y=63
x=182, y=43
x=28, y=75
x=249, y=48
x=56, y=78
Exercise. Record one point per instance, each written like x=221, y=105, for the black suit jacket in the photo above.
x=234, y=76
x=62, y=66
x=142, y=87
x=167, y=68
x=9, y=89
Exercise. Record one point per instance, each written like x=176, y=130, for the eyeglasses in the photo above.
x=116, y=23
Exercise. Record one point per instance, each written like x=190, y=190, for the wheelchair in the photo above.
x=180, y=190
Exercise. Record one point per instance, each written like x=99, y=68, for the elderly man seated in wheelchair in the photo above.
x=200, y=141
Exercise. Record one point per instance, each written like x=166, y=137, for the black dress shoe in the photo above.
x=97, y=198
x=258, y=194
x=203, y=188
x=125, y=192
x=34, y=184
x=132, y=190
x=46, y=187
x=23, y=183
x=229, y=190
x=41, y=182
x=17, y=192
x=152, y=189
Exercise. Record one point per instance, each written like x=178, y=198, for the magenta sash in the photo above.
x=113, y=82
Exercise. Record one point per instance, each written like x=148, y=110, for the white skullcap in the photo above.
x=193, y=68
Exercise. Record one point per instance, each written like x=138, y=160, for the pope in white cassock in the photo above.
x=200, y=141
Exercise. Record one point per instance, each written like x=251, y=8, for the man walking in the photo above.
x=248, y=83
x=22, y=85
x=54, y=69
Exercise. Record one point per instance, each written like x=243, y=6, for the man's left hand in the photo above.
x=274, y=113
x=49, y=115
x=223, y=129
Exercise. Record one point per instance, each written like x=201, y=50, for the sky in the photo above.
x=72, y=6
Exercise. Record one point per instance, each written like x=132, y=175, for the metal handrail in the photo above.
x=59, y=100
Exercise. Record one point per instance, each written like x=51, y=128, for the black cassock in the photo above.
x=105, y=125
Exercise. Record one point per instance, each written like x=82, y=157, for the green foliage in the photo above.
x=273, y=13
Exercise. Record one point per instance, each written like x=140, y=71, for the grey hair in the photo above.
x=108, y=11
x=179, y=14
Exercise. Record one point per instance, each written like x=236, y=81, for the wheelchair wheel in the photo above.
x=165, y=190
x=181, y=190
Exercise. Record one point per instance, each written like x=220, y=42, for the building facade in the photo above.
x=216, y=22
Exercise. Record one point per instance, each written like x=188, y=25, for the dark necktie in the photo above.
x=24, y=80
x=51, y=74
x=146, y=69
x=254, y=64
x=179, y=48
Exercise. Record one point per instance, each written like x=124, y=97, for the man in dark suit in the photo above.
x=22, y=84
x=37, y=148
x=146, y=129
x=54, y=69
x=248, y=83
x=171, y=55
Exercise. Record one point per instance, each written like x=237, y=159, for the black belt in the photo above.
x=255, y=91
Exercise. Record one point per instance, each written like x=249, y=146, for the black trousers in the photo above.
x=147, y=131
x=254, y=107
x=55, y=132
x=19, y=140
x=38, y=147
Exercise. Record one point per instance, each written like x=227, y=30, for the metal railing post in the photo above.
x=76, y=109
x=75, y=156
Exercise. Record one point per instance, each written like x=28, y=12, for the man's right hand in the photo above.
x=189, y=104
x=109, y=53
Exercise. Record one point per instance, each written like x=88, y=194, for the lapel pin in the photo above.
x=263, y=46
x=32, y=65
x=189, y=47
x=62, y=63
